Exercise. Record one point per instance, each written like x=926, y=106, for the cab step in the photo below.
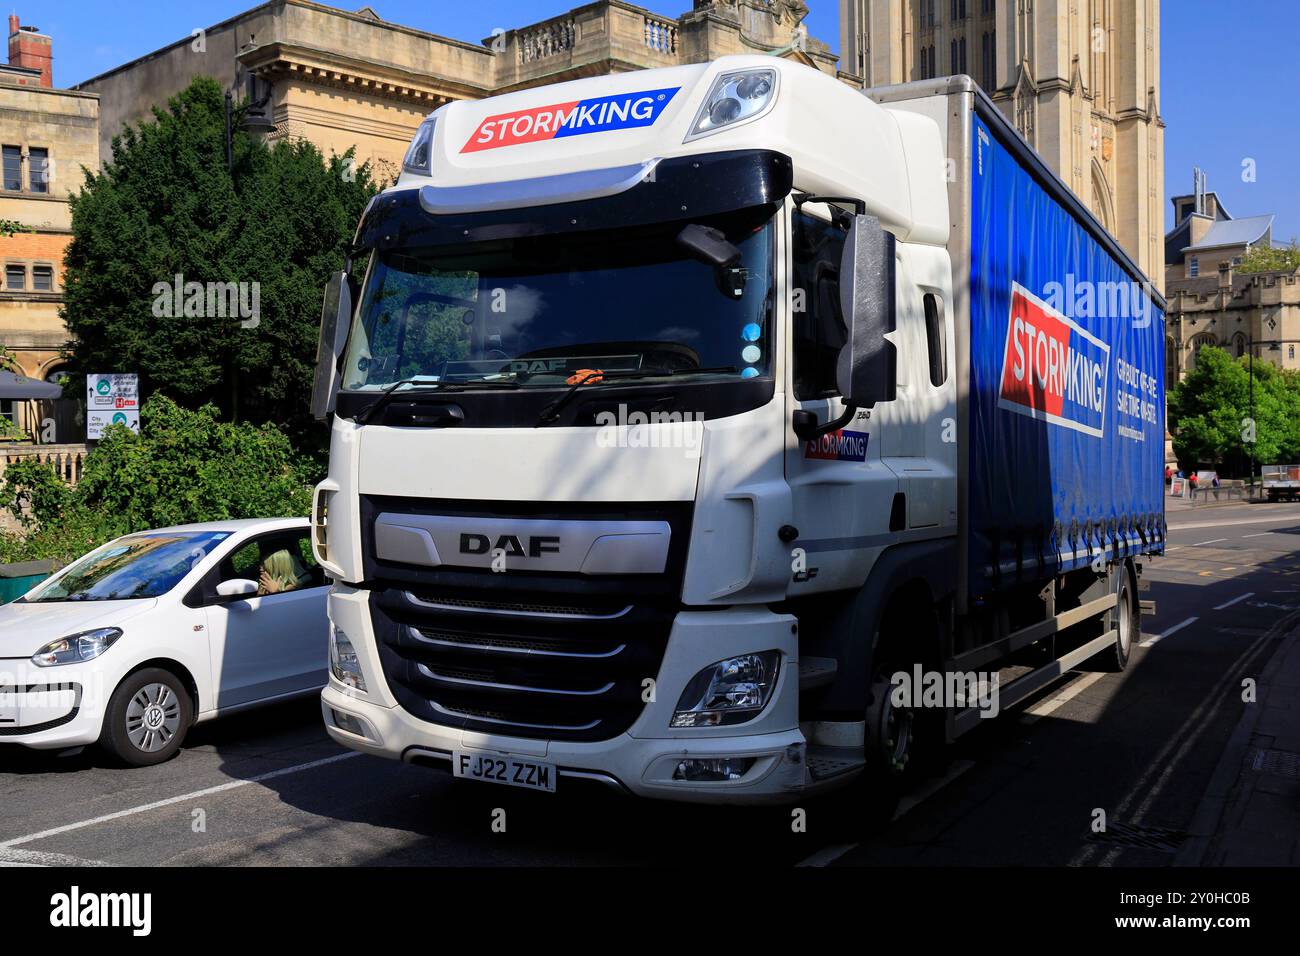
x=826, y=762
x=817, y=672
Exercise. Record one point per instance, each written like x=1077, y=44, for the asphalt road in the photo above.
x=270, y=788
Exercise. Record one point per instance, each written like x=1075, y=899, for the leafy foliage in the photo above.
x=184, y=466
x=1209, y=413
x=167, y=205
x=1271, y=259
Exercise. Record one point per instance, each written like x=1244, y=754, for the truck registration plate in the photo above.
x=492, y=768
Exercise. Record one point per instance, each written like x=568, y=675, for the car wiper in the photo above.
x=430, y=388
x=552, y=411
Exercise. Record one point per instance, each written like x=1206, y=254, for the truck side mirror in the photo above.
x=336, y=316
x=866, y=371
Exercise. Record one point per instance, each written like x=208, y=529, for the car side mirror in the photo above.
x=867, y=369
x=336, y=316
x=237, y=588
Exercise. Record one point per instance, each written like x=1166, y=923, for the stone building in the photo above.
x=1211, y=302
x=345, y=79
x=1080, y=79
x=47, y=135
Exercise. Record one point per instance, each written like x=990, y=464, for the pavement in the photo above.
x=1168, y=755
x=1250, y=813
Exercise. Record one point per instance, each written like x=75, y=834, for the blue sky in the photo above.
x=1230, y=90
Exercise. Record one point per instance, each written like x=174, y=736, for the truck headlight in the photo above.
x=75, y=648
x=728, y=692
x=343, y=661
x=419, y=155
x=734, y=98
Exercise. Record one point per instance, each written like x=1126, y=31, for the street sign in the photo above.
x=111, y=400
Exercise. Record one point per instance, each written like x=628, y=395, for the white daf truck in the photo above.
x=721, y=433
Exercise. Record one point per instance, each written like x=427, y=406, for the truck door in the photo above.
x=841, y=492
x=918, y=430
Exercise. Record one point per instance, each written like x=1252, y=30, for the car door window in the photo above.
x=279, y=563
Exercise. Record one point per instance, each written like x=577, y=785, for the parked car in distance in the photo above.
x=150, y=634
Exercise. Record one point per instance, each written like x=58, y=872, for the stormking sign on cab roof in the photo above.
x=597, y=114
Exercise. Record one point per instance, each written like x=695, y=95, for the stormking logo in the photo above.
x=75, y=909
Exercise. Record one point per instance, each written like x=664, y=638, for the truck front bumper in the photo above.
x=644, y=760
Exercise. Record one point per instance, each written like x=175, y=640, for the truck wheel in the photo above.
x=1128, y=627
x=147, y=718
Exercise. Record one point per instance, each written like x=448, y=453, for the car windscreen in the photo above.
x=144, y=565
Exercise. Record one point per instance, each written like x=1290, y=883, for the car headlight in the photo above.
x=343, y=661
x=729, y=691
x=75, y=648
x=734, y=98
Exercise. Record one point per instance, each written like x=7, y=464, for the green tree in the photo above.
x=1210, y=413
x=184, y=466
x=167, y=205
x=1271, y=259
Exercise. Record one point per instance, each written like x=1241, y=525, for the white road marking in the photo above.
x=1067, y=694
x=1160, y=637
x=1165, y=762
x=170, y=801
x=1259, y=534
x=1220, y=607
x=829, y=854
x=1279, y=519
x=913, y=800
x=1211, y=541
x=38, y=858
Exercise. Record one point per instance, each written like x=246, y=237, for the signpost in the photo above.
x=110, y=400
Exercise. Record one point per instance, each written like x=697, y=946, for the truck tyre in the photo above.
x=147, y=718
x=1126, y=617
x=902, y=744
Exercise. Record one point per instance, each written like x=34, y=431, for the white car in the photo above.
x=140, y=639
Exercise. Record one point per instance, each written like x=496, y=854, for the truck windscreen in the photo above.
x=539, y=310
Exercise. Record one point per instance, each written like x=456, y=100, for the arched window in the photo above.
x=1239, y=344
x=1199, y=342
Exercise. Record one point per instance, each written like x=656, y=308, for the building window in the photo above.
x=961, y=46
x=1193, y=267
x=1290, y=352
x=15, y=278
x=43, y=278
x=952, y=14
x=953, y=58
x=13, y=168
x=9, y=411
x=39, y=162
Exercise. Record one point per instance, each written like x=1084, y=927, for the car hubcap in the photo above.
x=153, y=717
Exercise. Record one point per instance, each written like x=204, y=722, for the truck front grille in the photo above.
x=523, y=667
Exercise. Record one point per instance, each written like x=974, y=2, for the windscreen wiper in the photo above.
x=552, y=411
x=431, y=388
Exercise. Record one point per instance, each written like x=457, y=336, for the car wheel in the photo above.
x=147, y=718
